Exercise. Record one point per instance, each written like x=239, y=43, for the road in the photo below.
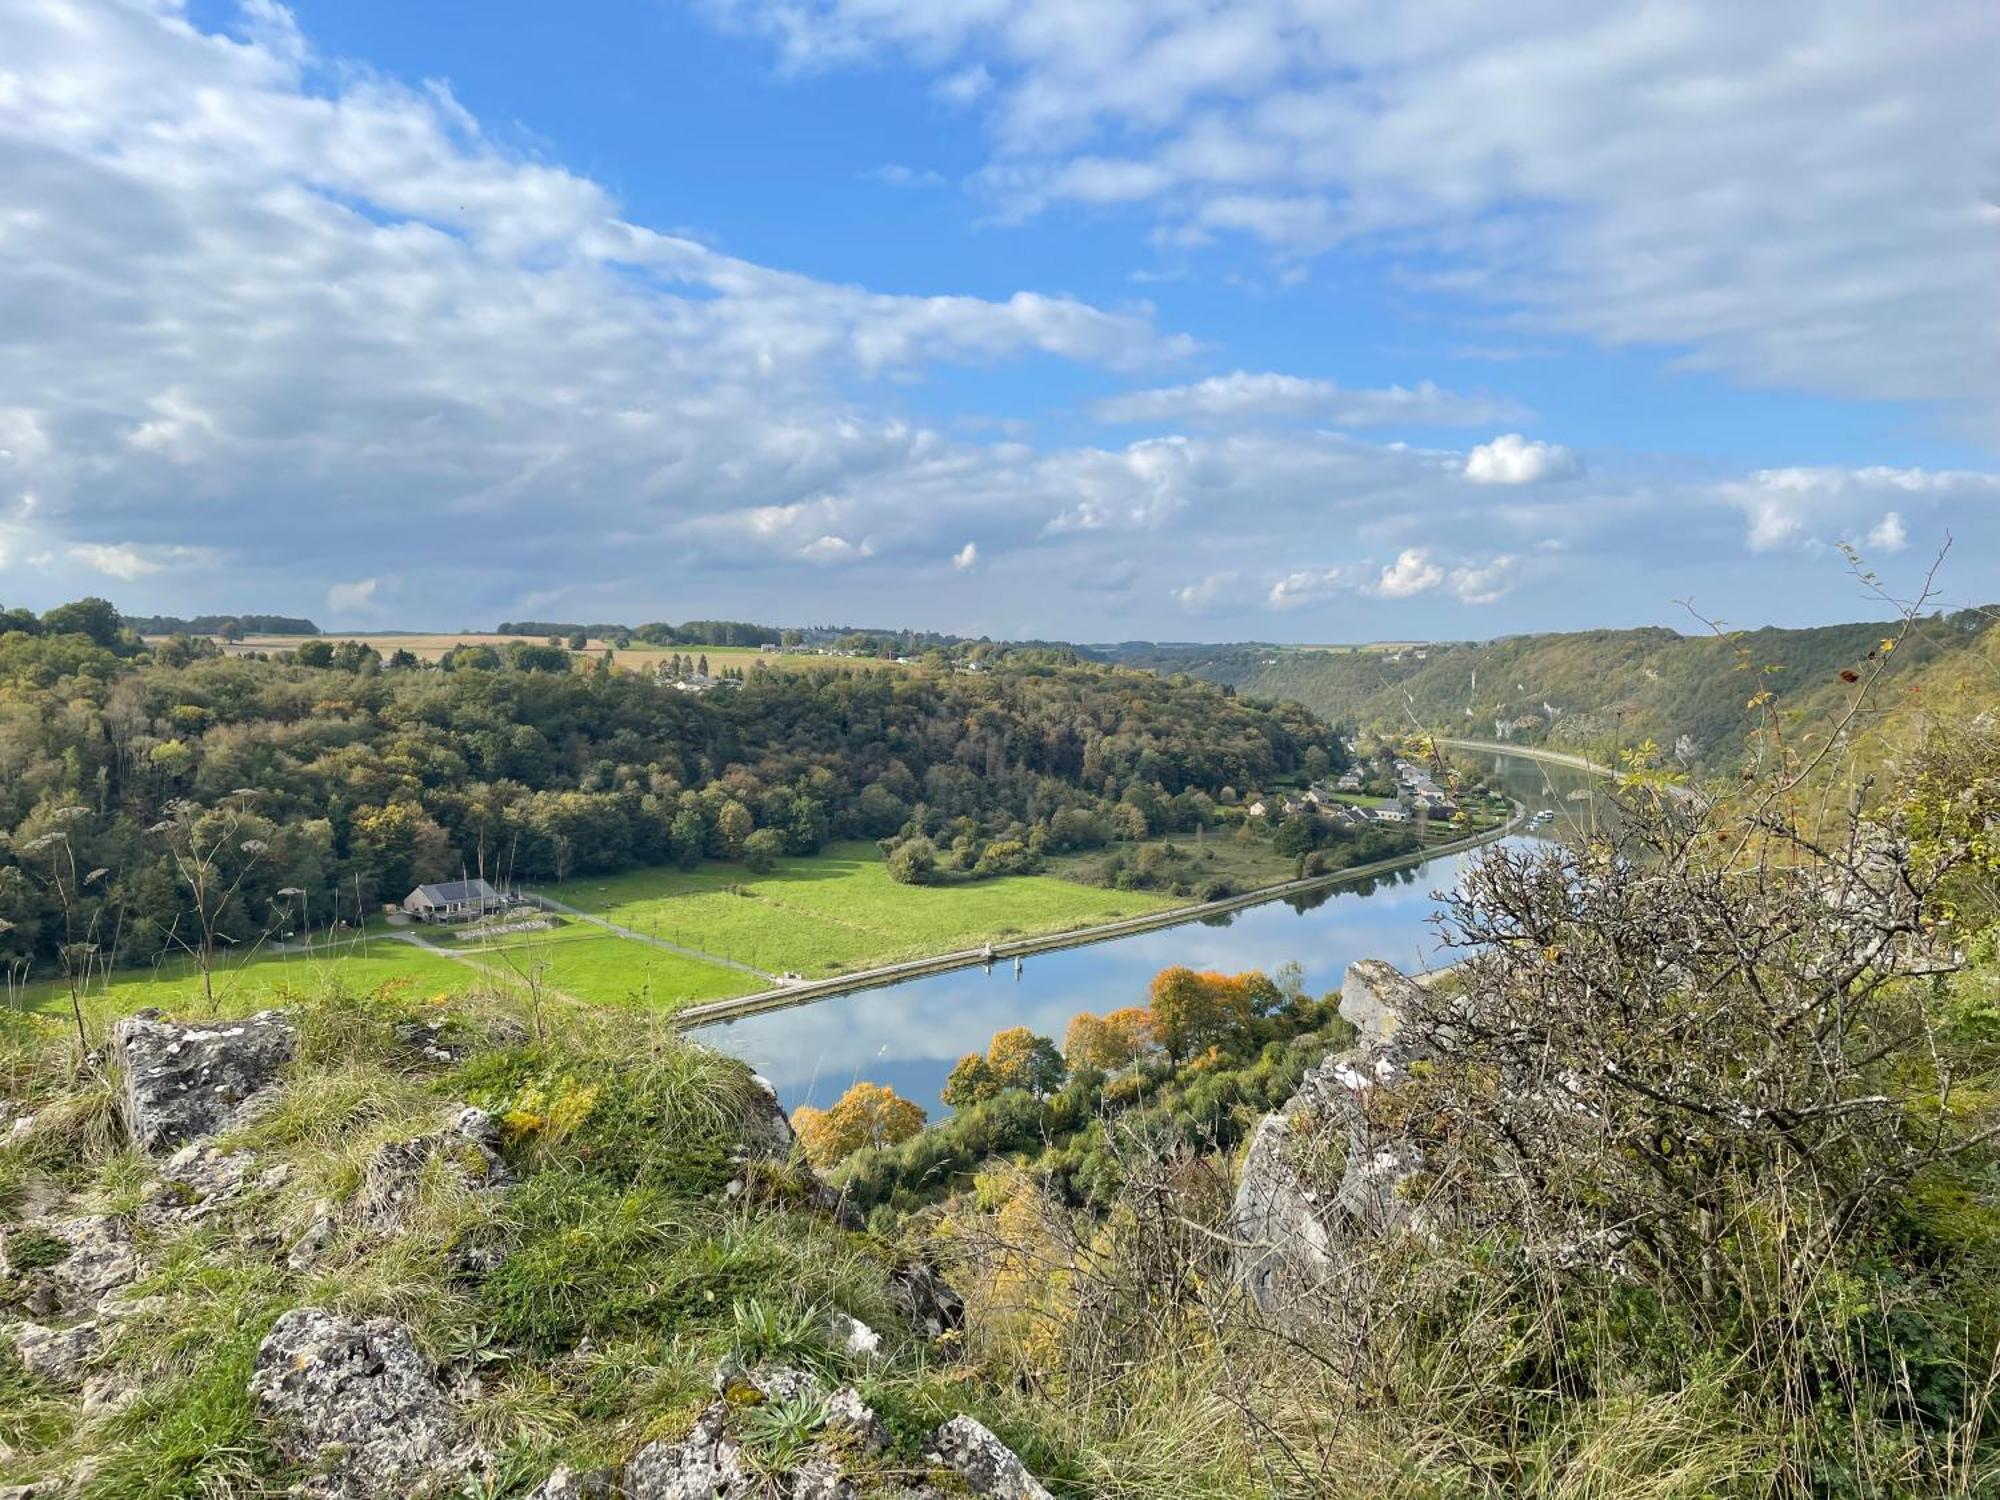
x=549, y=903
x=885, y=974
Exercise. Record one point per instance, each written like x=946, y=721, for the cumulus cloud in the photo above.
x=1512, y=459
x=966, y=557
x=1207, y=595
x=1410, y=574
x=267, y=286
x=1244, y=396
x=1487, y=582
x=895, y=174
x=353, y=598
x=1889, y=534
x=1812, y=506
x=1631, y=175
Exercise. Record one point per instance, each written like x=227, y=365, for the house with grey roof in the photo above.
x=452, y=901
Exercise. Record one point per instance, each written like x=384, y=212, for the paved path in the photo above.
x=801, y=993
x=549, y=903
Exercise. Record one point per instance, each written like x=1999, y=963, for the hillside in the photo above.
x=1596, y=690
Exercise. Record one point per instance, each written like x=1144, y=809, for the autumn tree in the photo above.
x=1109, y=1042
x=869, y=1114
x=1022, y=1060
x=970, y=1082
x=1194, y=1011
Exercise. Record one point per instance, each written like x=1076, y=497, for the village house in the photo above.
x=452, y=901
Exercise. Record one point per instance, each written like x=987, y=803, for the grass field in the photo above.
x=580, y=960
x=839, y=911
x=429, y=646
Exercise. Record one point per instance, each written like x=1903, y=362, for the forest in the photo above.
x=1589, y=691
x=151, y=792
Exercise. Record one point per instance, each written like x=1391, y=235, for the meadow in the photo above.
x=839, y=911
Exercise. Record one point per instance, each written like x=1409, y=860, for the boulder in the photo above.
x=359, y=1406
x=753, y=1387
x=766, y=1131
x=1328, y=1170
x=852, y=1423
x=988, y=1466
x=185, y=1082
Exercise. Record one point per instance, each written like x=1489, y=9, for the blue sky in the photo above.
x=1286, y=319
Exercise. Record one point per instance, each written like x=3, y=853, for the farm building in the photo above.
x=452, y=901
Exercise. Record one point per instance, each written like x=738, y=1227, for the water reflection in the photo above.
x=910, y=1035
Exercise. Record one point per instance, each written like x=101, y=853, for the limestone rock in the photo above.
x=99, y=1257
x=856, y=1337
x=184, y=1082
x=470, y=1145
x=356, y=1403
x=566, y=1484
x=988, y=1465
x=766, y=1130
x=852, y=1422
x=57, y=1355
x=819, y=1478
x=753, y=1387
x=707, y=1464
x=1328, y=1169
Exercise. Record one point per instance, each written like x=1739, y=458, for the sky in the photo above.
x=1312, y=320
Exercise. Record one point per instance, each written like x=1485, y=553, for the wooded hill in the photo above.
x=1593, y=691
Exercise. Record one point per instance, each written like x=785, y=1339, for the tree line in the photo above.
x=322, y=782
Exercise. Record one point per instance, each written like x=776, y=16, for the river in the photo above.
x=909, y=1035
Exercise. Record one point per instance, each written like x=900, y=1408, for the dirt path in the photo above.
x=549, y=903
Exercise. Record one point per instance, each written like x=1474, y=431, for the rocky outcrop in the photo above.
x=988, y=1466
x=1328, y=1170
x=68, y=1264
x=358, y=1405
x=57, y=1355
x=185, y=1082
x=706, y=1463
x=469, y=1147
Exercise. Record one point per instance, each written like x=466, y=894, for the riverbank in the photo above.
x=805, y=993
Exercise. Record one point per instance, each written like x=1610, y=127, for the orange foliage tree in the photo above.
x=869, y=1114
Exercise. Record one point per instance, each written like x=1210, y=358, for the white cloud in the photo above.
x=1485, y=583
x=1889, y=534
x=1801, y=194
x=1314, y=586
x=271, y=290
x=353, y=598
x=1410, y=574
x=120, y=561
x=966, y=557
x=1207, y=595
x=1512, y=459
x=1247, y=396
x=1799, y=505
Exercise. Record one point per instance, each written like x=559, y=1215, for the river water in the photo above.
x=909, y=1035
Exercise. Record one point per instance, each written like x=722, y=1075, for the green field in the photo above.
x=580, y=960
x=839, y=911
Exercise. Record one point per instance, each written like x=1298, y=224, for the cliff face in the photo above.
x=1327, y=1174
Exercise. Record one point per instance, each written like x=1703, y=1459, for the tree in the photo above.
x=96, y=618
x=762, y=850
x=1006, y=857
x=732, y=826
x=578, y=640
x=1192, y=1012
x=315, y=654
x=867, y=1115
x=970, y=1082
x=913, y=862
x=1019, y=1059
x=1111, y=1042
x=229, y=630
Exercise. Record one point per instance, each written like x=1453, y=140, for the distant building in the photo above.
x=1391, y=815
x=452, y=901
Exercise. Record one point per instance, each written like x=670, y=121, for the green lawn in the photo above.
x=175, y=986
x=600, y=966
x=839, y=911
